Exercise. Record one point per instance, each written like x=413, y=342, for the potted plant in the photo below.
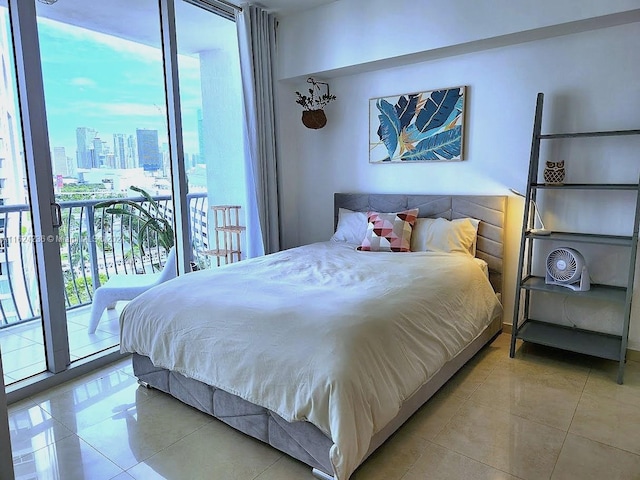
x=150, y=218
x=313, y=115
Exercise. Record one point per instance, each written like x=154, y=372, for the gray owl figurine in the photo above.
x=554, y=173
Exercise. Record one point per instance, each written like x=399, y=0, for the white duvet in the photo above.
x=321, y=333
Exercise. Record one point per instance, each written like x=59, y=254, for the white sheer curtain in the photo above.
x=256, y=40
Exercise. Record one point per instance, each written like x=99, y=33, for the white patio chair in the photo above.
x=128, y=287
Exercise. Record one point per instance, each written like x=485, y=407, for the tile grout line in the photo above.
x=462, y=403
x=274, y=462
x=465, y=402
x=165, y=448
x=564, y=440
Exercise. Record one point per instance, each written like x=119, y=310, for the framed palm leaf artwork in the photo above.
x=417, y=127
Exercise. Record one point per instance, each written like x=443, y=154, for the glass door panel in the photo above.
x=211, y=113
x=106, y=114
x=21, y=329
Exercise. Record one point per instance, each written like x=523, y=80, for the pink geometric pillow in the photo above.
x=389, y=232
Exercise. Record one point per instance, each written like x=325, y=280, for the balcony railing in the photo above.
x=93, y=246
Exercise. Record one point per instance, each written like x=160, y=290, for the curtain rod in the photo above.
x=215, y=4
x=220, y=7
x=230, y=5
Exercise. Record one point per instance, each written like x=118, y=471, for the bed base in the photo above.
x=300, y=440
x=321, y=475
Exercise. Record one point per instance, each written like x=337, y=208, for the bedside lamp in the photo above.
x=535, y=231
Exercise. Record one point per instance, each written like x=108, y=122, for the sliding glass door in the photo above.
x=104, y=100
x=21, y=329
x=212, y=126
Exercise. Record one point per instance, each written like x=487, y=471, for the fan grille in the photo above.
x=562, y=264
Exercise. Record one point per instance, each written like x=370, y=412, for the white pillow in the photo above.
x=442, y=235
x=352, y=226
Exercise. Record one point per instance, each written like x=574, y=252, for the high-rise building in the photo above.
x=60, y=166
x=98, y=157
x=17, y=258
x=132, y=152
x=12, y=173
x=200, y=158
x=120, y=150
x=85, y=145
x=149, y=157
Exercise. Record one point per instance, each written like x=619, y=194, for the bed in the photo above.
x=327, y=350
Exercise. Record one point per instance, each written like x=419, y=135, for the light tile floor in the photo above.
x=544, y=415
x=22, y=346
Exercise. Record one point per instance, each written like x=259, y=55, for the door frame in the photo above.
x=44, y=208
x=45, y=212
x=6, y=457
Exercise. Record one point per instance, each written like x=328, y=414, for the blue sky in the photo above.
x=109, y=84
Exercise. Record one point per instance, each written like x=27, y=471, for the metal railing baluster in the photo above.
x=93, y=253
x=22, y=259
x=87, y=250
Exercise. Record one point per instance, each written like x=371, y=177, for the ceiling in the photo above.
x=133, y=20
x=284, y=7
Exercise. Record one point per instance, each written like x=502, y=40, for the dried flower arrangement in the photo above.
x=313, y=115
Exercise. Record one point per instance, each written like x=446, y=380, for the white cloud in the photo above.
x=82, y=82
x=142, y=52
x=131, y=109
x=123, y=109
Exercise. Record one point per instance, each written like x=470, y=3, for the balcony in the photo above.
x=94, y=246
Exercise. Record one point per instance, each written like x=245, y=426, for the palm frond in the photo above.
x=151, y=219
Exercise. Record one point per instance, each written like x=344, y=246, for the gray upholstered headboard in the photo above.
x=489, y=209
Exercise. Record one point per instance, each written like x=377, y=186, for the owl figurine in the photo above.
x=554, y=173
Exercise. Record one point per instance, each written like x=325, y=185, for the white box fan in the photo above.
x=566, y=267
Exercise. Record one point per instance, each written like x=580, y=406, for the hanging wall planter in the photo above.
x=313, y=115
x=314, y=118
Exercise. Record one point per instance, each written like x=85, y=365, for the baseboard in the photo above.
x=633, y=355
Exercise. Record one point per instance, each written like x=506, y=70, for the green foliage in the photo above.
x=78, y=291
x=86, y=191
x=82, y=187
x=315, y=100
x=152, y=223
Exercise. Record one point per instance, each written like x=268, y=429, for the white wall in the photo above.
x=589, y=80
x=347, y=33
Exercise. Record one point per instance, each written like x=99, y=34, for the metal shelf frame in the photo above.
x=614, y=240
x=597, y=291
x=586, y=186
x=612, y=347
x=592, y=343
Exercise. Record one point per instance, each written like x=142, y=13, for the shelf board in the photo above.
x=587, y=186
x=221, y=252
x=224, y=207
x=572, y=339
x=611, y=133
x=231, y=229
x=615, y=240
x=597, y=291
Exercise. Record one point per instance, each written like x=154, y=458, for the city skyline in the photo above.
x=110, y=85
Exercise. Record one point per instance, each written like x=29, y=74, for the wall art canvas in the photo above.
x=417, y=127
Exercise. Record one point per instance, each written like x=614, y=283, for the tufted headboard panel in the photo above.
x=489, y=209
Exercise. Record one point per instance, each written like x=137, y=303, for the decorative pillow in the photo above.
x=352, y=226
x=442, y=235
x=389, y=232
